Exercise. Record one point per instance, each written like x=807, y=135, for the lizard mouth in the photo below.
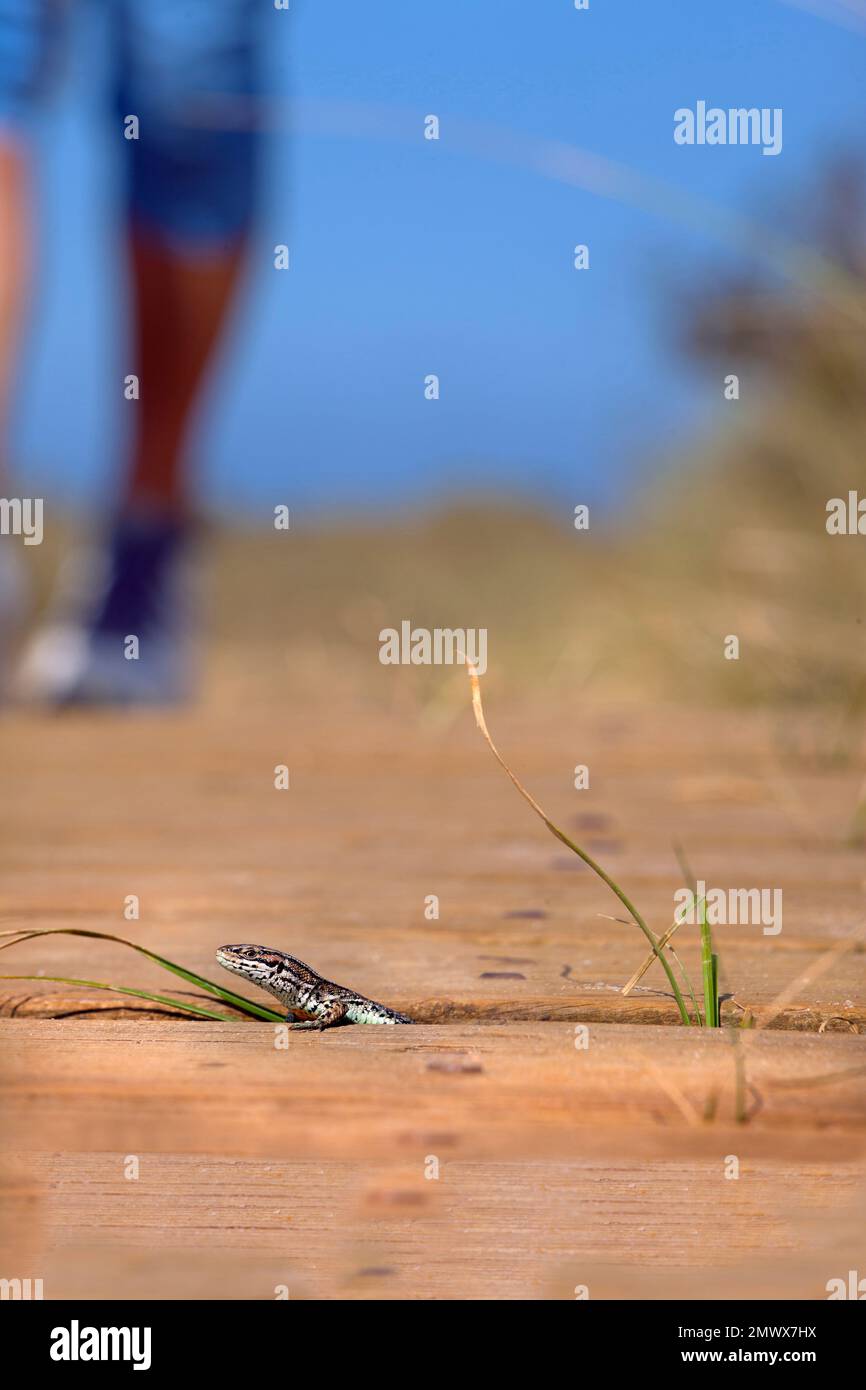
x=253, y=961
x=234, y=958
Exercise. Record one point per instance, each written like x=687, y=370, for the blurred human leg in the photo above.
x=13, y=280
x=190, y=76
x=14, y=272
x=26, y=40
x=180, y=300
x=31, y=33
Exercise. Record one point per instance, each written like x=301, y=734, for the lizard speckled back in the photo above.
x=317, y=1002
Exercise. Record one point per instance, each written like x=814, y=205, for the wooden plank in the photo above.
x=307, y=1168
x=517, y=1090
x=218, y=1227
x=180, y=810
x=582, y=1006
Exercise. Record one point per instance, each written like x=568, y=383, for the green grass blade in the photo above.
x=247, y=1005
x=663, y=941
x=629, y=907
x=632, y=911
x=709, y=971
x=685, y=974
x=123, y=989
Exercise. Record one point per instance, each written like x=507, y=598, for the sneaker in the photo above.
x=133, y=647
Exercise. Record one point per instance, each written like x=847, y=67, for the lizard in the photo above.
x=318, y=1003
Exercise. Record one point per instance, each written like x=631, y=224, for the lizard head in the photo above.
x=257, y=963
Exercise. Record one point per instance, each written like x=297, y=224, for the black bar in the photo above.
x=256, y=1337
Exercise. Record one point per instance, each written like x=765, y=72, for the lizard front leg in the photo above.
x=330, y=1014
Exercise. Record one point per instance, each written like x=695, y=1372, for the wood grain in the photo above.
x=305, y=1166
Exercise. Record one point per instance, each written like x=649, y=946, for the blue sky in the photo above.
x=412, y=257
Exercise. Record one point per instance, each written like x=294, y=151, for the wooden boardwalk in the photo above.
x=481, y=1154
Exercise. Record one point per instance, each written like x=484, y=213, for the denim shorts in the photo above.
x=190, y=72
